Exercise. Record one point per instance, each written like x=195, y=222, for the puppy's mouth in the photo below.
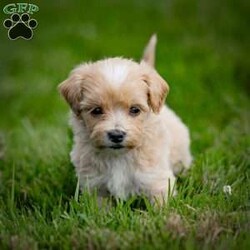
x=116, y=146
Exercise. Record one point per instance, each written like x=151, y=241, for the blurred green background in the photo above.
x=203, y=53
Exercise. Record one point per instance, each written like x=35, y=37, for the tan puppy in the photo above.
x=126, y=141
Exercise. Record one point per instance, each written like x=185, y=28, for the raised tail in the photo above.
x=149, y=51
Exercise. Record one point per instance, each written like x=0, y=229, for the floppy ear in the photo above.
x=157, y=89
x=72, y=90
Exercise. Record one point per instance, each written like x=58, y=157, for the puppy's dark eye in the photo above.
x=96, y=111
x=134, y=111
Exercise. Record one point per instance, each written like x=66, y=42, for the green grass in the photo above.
x=202, y=52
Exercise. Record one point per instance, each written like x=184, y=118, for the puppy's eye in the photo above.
x=96, y=111
x=134, y=111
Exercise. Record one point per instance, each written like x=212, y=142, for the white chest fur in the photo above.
x=120, y=181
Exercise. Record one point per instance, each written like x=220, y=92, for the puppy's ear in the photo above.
x=157, y=88
x=72, y=90
x=149, y=51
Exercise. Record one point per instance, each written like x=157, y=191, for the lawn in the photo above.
x=203, y=53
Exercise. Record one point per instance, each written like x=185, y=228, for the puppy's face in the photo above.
x=114, y=98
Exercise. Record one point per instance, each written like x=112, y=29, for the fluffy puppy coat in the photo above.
x=126, y=141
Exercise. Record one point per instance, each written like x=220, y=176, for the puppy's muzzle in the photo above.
x=116, y=136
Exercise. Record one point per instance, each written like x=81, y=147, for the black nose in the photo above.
x=116, y=136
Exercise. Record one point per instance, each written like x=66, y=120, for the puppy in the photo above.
x=126, y=141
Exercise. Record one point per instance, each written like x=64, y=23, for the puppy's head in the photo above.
x=114, y=98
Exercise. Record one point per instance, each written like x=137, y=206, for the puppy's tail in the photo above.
x=149, y=51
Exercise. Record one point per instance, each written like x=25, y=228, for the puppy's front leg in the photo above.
x=158, y=186
x=104, y=199
x=158, y=199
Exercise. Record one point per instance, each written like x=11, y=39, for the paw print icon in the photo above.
x=20, y=26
